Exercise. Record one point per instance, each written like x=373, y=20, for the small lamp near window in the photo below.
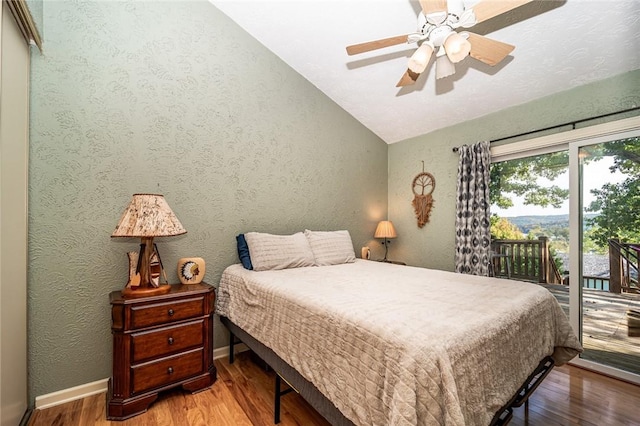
x=385, y=230
x=148, y=216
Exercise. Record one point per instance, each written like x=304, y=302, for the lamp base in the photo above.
x=133, y=292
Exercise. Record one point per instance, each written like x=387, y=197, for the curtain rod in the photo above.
x=570, y=123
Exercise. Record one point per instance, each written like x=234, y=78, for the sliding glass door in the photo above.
x=566, y=215
x=605, y=229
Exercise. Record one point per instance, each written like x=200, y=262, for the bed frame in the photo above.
x=329, y=411
x=305, y=388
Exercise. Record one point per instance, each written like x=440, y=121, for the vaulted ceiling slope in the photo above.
x=559, y=45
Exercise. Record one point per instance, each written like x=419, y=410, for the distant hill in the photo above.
x=525, y=223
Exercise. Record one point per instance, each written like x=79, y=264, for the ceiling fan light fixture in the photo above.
x=468, y=19
x=436, y=35
x=444, y=67
x=455, y=7
x=457, y=47
x=420, y=58
x=437, y=18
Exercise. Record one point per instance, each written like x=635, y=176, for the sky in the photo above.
x=595, y=174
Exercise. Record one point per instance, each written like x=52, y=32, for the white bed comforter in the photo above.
x=398, y=345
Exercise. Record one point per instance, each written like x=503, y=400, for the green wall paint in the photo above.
x=174, y=98
x=433, y=245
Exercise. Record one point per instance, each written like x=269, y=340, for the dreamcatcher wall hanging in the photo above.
x=423, y=185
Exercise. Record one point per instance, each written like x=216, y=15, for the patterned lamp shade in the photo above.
x=385, y=229
x=148, y=215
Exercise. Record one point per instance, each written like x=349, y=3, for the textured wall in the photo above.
x=433, y=245
x=170, y=97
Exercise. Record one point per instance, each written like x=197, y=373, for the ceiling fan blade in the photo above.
x=408, y=78
x=376, y=44
x=432, y=6
x=487, y=9
x=488, y=50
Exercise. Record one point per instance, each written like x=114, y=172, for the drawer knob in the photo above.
x=170, y=340
x=170, y=370
x=170, y=312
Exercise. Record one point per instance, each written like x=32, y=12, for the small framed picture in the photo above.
x=191, y=270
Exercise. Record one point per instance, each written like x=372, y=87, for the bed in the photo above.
x=372, y=343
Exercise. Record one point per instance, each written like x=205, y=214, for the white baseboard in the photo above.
x=67, y=395
x=99, y=386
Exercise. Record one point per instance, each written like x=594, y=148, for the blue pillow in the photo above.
x=243, y=252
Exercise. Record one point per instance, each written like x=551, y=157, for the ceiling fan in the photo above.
x=437, y=25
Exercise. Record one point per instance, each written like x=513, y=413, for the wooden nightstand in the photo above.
x=160, y=342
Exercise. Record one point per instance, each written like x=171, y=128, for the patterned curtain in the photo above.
x=473, y=226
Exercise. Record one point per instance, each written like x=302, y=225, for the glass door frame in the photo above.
x=573, y=140
x=575, y=240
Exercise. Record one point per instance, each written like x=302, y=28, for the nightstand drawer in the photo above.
x=160, y=313
x=158, y=343
x=166, y=370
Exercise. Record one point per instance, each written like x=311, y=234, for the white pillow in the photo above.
x=270, y=252
x=331, y=248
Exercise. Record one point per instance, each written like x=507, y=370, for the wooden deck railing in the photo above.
x=624, y=264
x=556, y=275
x=529, y=260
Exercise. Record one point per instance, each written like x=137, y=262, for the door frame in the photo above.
x=575, y=238
x=572, y=140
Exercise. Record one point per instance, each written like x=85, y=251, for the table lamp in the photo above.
x=385, y=230
x=147, y=216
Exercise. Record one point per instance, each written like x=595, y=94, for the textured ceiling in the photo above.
x=559, y=45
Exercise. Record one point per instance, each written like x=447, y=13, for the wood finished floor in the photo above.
x=243, y=395
x=605, y=335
